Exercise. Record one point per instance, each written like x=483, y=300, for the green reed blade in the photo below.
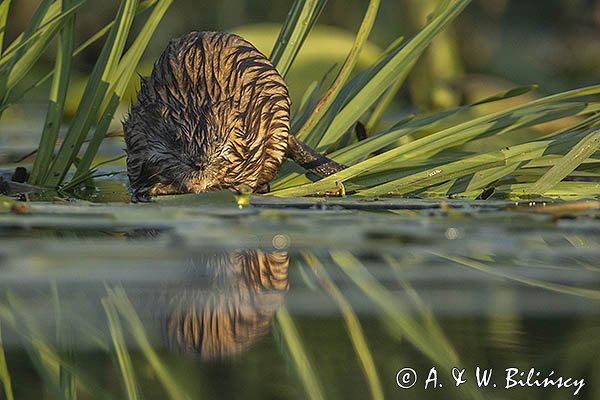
x=433, y=345
x=93, y=95
x=326, y=101
x=507, y=159
x=31, y=27
x=121, y=302
x=120, y=79
x=481, y=179
x=44, y=357
x=4, y=7
x=383, y=104
x=126, y=67
x=303, y=366
x=535, y=112
x=515, y=92
x=309, y=100
x=455, y=169
x=555, y=287
x=563, y=167
x=562, y=190
x=399, y=65
x=437, y=351
x=45, y=361
x=52, y=20
x=360, y=151
x=106, y=118
x=57, y=98
x=125, y=365
x=39, y=15
x=116, y=50
x=353, y=326
x=532, y=113
x=297, y=25
x=66, y=380
x=4, y=373
x=18, y=92
x=31, y=54
x=429, y=322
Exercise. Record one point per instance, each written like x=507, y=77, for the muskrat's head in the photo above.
x=214, y=114
x=187, y=145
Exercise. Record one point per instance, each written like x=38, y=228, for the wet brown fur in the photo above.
x=214, y=114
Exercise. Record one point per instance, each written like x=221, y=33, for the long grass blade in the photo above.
x=58, y=95
x=524, y=115
x=296, y=27
x=304, y=367
x=41, y=12
x=4, y=7
x=66, y=380
x=18, y=92
x=53, y=19
x=532, y=113
x=433, y=345
x=309, y=100
x=125, y=365
x=26, y=60
x=429, y=321
x=410, y=328
x=45, y=358
x=579, y=153
x=398, y=65
x=382, y=105
x=353, y=326
x=562, y=190
x=592, y=294
x=121, y=302
x=361, y=150
x=328, y=98
x=93, y=95
x=120, y=79
x=4, y=373
x=455, y=169
x=30, y=28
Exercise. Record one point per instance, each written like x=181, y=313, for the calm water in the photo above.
x=194, y=298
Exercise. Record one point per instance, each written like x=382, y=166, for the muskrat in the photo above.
x=226, y=303
x=214, y=114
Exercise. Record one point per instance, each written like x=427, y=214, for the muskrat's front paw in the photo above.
x=140, y=197
x=241, y=189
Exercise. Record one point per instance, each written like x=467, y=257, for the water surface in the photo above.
x=191, y=297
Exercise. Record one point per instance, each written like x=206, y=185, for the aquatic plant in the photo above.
x=462, y=152
x=104, y=90
x=453, y=153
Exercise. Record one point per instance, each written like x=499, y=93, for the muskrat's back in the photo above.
x=214, y=114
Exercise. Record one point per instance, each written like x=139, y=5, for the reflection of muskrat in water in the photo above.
x=213, y=115
x=229, y=306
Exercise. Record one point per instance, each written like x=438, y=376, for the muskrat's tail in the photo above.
x=308, y=158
